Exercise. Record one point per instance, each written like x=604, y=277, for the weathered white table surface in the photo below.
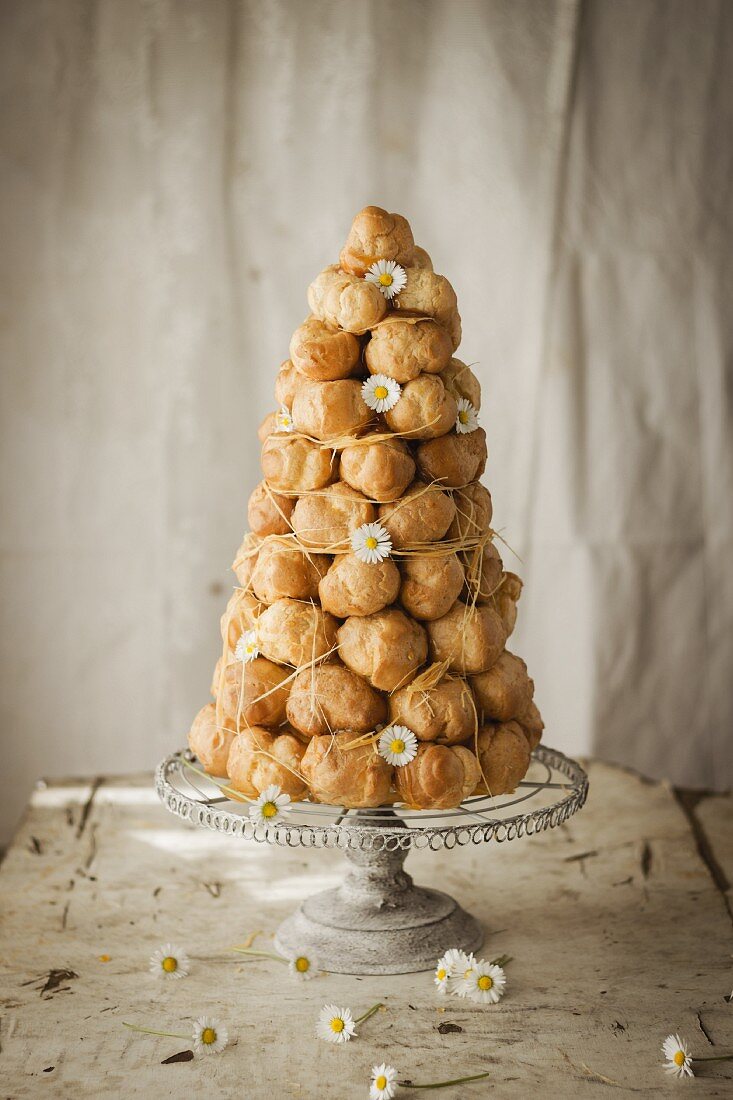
x=619, y=923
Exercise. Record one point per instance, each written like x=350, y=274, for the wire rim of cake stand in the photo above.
x=385, y=828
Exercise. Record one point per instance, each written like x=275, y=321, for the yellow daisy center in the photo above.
x=302, y=965
x=269, y=809
x=337, y=1024
x=468, y=973
x=485, y=982
x=441, y=974
x=371, y=543
x=679, y=1057
x=381, y=392
x=169, y=964
x=463, y=416
x=397, y=746
x=385, y=279
x=208, y=1036
x=381, y=1081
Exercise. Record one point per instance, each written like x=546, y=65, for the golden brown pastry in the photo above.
x=386, y=648
x=484, y=572
x=209, y=742
x=377, y=235
x=327, y=519
x=268, y=512
x=328, y=410
x=503, y=754
x=295, y=633
x=242, y=612
x=505, y=690
x=350, y=777
x=322, y=352
x=254, y=693
x=286, y=384
x=284, y=570
x=460, y=380
x=439, y=777
x=244, y=561
x=423, y=515
x=425, y=409
x=453, y=460
x=445, y=713
x=532, y=725
x=259, y=758
x=426, y=292
x=469, y=638
x=346, y=301
x=402, y=348
x=216, y=677
x=473, y=511
x=430, y=585
x=331, y=697
x=381, y=470
x=267, y=427
x=354, y=587
x=421, y=259
x=506, y=599
x=292, y=464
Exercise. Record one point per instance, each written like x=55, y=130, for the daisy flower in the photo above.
x=460, y=975
x=679, y=1061
x=384, y=1082
x=388, y=276
x=371, y=543
x=169, y=962
x=209, y=1036
x=283, y=420
x=485, y=983
x=381, y=393
x=467, y=419
x=266, y=810
x=335, y=1025
x=246, y=648
x=441, y=976
x=397, y=745
x=302, y=968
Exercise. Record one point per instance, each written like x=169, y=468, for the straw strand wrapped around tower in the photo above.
x=364, y=657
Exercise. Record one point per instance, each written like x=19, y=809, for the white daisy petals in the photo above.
x=389, y=276
x=267, y=809
x=169, y=961
x=485, y=983
x=460, y=974
x=678, y=1059
x=397, y=745
x=384, y=1082
x=246, y=647
x=335, y=1025
x=381, y=393
x=302, y=968
x=209, y=1036
x=283, y=420
x=371, y=543
x=467, y=419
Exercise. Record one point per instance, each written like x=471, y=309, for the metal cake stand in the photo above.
x=377, y=921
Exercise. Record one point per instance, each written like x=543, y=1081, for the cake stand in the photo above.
x=377, y=921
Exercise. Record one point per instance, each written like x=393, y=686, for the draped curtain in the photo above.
x=174, y=174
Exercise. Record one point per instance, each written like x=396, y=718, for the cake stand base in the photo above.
x=377, y=921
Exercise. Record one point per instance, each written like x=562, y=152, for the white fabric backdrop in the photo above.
x=175, y=173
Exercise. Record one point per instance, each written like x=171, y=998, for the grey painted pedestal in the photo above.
x=377, y=921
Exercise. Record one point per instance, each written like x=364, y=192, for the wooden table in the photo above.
x=619, y=923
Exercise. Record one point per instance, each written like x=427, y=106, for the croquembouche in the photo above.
x=364, y=651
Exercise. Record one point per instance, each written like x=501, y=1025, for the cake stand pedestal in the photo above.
x=377, y=921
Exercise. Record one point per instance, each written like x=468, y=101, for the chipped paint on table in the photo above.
x=619, y=923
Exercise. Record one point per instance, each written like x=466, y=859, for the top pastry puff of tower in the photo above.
x=324, y=651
